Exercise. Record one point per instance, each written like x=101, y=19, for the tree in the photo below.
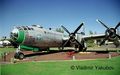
x=90, y=43
x=60, y=30
x=95, y=32
x=3, y=38
x=90, y=32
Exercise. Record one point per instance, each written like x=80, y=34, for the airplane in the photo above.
x=36, y=38
x=4, y=42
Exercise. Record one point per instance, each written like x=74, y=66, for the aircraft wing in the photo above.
x=94, y=36
x=89, y=37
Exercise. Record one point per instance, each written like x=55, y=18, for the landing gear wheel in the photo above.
x=76, y=49
x=19, y=55
x=16, y=56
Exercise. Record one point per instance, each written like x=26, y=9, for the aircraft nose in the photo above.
x=14, y=34
x=17, y=35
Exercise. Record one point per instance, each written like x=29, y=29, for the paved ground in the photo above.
x=59, y=55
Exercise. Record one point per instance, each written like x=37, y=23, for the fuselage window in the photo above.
x=31, y=28
x=28, y=28
x=24, y=28
x=45, y=32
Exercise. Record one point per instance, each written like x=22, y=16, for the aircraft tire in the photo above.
x=19, y=55
x=16, y=56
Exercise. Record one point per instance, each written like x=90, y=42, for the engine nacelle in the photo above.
x=111, y=33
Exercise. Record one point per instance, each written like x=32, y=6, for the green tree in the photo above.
x=90, y=43
x=3, y=38
x=90, y=32
x=60, y=30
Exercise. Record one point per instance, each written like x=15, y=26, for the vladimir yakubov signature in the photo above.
x=92, y=67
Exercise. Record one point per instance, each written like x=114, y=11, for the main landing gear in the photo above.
x=19, y=54
x=81, y=48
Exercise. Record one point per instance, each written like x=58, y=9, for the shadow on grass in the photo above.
x=67, y=50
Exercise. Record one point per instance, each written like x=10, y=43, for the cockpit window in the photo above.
x=14, y=36
x=31, y=28
x=28, y=28
x=19, y=28
x=24, y=28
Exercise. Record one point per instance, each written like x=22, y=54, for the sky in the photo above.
x=54, y=13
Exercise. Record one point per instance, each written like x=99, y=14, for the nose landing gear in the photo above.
x=19, y=55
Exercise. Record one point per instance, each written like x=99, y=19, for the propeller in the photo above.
x=72, y=36
x=110, y=33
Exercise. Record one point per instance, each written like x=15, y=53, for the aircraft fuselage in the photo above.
x=37, y=37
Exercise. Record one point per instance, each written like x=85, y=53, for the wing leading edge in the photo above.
x=94, y=36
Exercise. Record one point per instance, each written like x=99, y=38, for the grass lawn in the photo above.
x=2, y=50
x=109, y=67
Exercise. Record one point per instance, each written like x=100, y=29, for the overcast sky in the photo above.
x=53, y=13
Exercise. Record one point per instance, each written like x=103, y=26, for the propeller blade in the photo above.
x=65, y=30
x=78, y=43
x=104, y=40
x=65, y=43
x=116, y=43
x=78, y=28
x=117, y=25
x=102, y=24
x=118, y=36
x=72, y=36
